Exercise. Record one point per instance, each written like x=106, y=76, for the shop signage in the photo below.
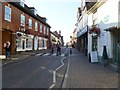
x=94, y=56
x=106, y=18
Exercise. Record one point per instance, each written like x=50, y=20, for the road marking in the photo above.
x=54, y=78
x=54, y=73
x=62, y=54
x=66, y=74
x=51, y=86
x=54, y=54
x=46, y=54
x=50, y=71
x=43, y=67
x=39, y=54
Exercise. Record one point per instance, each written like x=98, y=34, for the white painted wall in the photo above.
x=107, y=17
x=89, y=36
x=36, y=43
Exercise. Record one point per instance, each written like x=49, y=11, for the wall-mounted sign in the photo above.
x=106, y=18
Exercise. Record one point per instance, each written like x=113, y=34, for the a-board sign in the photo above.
x=94, y=57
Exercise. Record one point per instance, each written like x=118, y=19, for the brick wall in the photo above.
x=10, y=28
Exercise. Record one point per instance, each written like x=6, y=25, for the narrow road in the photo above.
x=33, y=72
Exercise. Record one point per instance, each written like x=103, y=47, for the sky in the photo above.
x=61, y=15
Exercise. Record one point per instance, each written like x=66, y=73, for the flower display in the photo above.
x=94, y=30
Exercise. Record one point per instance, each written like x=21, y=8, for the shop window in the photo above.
x=18, y=43
x=94, y=43
x=28, y=43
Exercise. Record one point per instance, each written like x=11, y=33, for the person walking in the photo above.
x=7, y=49
x=52, y=49
x=58, y=50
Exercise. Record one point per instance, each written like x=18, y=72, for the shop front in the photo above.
x=115, y=32
x=82, y=40
x=24, y=42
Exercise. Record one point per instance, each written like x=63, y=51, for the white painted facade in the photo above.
x=36, y=43
x=42, y=43
x=107, y=16
x=24, y=42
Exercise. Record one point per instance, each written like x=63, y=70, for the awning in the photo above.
x=114, y=28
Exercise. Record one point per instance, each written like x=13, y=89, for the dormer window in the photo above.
x=22, y=3
x=33, y=10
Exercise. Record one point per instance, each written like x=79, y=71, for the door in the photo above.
x=116, y=47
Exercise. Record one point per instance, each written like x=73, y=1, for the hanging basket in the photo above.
x=94, y=30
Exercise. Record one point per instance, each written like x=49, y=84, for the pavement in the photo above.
x=81, y=73
x=23, y=55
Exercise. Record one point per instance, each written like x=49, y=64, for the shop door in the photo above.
x=118, y=49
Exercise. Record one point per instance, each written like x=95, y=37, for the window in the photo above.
x=47, y=31
x=22, y=3
x=30, y=23
x=22, y=20
x=44, y=30
x=7, y=13
x=36, y=26
x=29, y=43
x=41, y=27
x=18, y=43
x=95, y=18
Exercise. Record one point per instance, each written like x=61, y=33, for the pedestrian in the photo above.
x=58, y=50
x=52, y=48
x=70, y=49
x=7, y=49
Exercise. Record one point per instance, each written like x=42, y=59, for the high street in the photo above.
x=33, y=72
x=64, y=71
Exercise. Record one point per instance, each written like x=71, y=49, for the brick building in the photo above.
x=23, y=27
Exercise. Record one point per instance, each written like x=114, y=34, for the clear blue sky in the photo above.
x=61, y=15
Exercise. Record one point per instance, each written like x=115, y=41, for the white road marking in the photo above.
x=62, y=55
x=51, y=86
x=43, y=67
x=50, y=71
x=46, y=54
x=54, y=73
x=54, y=54
x=66, y=75
x=39, y=54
